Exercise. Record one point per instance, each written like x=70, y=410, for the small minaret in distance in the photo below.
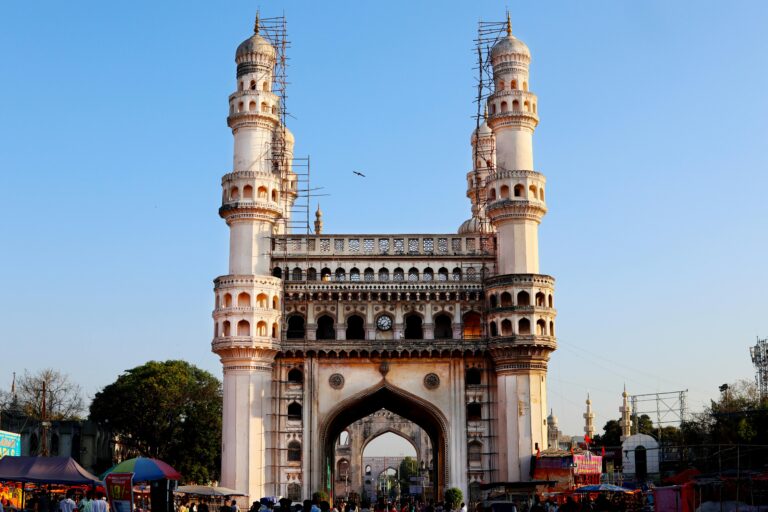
x=626, y=416
x=589, y=420
x=318, y=221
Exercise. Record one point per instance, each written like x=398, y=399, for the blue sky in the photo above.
x=653, y=139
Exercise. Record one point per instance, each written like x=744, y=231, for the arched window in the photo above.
x=428, y=275
x=262, y=193
x=368, y=470
x=253, y=85
x=506, y=299
x=492, y=194
x=524, y=326
x=243, y=300
x=506, y=327
x=500, y=85
x=473, y=377
x=413, y=329
x=261, y=327
x=523, y=299
x=294, y=411
x=504, y=107
x=251, y=106
x=541, y=193
x=492, y=300
x=443, y=327
x=294, y=492
x=540, y=300
x=342, y=470
x=519, y=190
x=383, y=274
x=413, y=274
x=368, y=275
x=532, y=189
x=355, y=328
x=325, y=274
x=525, y=86
x=493, y=108
x=227, y=328
x=227, y=300
x=442, y=274
x=344, y=438
x=354, y=274
x=475, y=453
x=549, y=300
x=527, y=106
x=515, y=105
x=247, y=192
x=243, y=328
x=551, y=328
x=277, y=272
x=297, y=274
x=504, y=192
x=262, y=300
x=311, y=274
x=296, y=376
x=274, y=195
x=541, y=327
x=474, y=412
x=494, y=329
x=457, y=274
x=275, y=302
x=241, y=86
x=325, y=330
x=264, y=106
x=471, y=274
x=234, y=194
x=265, y=86
x=398, y=275
x=240, y=106
x=341, y=275
x=296, y=329
x=472, y=328
x=294, y=451
x=513, y=84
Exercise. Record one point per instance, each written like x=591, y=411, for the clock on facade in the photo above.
x=384, y=323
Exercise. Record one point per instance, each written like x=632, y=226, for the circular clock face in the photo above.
x=384, y=323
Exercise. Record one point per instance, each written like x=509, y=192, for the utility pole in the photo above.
x=44, y=423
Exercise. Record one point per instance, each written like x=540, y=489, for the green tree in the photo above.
x=453, y=497
x=611, y=436
x=408, y=467
x=169, y=410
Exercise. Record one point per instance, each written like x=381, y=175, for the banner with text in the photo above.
x=119, y=488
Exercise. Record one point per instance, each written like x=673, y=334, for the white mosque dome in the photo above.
x=474, y=225
x=510, y=45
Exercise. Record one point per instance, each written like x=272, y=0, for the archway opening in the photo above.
x=355, y=328
x=325, y=329
x=413, y=327
x=443, y=327
x=382, y=401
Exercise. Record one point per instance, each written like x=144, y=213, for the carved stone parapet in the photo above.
x=518, y=119
x=247, y=280
x=528, y=310
x=253, y=119
x=235, y=175
x=521, y=280
x=516, y=173
x=235, y=211
x=249, y=356
x=510, y=209
x=511, y=357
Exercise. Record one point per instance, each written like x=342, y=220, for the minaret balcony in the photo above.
x=528, y=310
x=516, y=209
x=257, y=208
x=513, y=119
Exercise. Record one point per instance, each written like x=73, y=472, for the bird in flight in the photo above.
x=358, y=173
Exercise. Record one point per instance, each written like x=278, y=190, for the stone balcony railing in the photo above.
x=384, y=286
x=361, y=246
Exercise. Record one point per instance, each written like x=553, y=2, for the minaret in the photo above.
x=589, y=420
x=626, y=416
x=318, y=221
x=247, y=311
x=553, y=433
x=522, y=322
x=483, y=163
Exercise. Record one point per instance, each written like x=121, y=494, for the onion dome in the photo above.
x=255, y=45
x=475, y=225
x=551, y=419
x=510, y=45
x=484, y=130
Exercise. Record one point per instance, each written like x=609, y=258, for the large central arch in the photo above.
x=400, y=402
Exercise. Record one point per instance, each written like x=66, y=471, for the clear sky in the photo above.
x=653, y=136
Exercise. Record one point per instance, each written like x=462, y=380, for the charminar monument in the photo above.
x=449, y=332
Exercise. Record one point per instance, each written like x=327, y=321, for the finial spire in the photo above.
x=485, y=113
x=256, y=24
x=509, y=25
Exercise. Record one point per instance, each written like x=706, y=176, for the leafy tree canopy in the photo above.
x=170, y=410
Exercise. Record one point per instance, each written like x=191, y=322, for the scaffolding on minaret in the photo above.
x=759, y=355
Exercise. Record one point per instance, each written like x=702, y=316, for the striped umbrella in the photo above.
x=145, y=470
